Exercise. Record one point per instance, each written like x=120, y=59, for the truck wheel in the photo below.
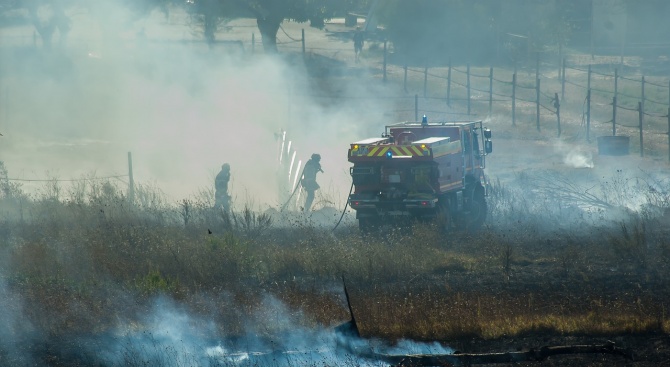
x=477, y=209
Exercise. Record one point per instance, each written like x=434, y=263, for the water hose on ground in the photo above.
x=345, y=206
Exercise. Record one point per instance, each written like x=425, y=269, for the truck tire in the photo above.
x=477, y=209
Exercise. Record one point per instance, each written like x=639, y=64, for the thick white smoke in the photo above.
x=170, y=336
x=180, y=108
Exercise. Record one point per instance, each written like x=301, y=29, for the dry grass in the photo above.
x=87, y=261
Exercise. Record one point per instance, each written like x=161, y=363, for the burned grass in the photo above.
x=79, y=271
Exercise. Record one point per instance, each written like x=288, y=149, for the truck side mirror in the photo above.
x=488, y=146
x=487, y=133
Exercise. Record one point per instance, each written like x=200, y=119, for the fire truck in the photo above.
x=421, y=171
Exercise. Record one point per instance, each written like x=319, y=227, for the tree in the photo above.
x=207, y=15
x=47, y=16
x=427, y=30
x=270, y=14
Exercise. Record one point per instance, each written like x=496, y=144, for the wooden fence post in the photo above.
x=668, y=133
x=449, y=84
x=253, y=43
x=425, y=81
x=385, y=41
x=588, y=116
x=557, y=105
x=614, y=116
x=641, y=118
x=490, y=90
x=537, y=104
x=514, y=99
x=131, y=181
x=416, y=107
x=303, y=41
x=588, y=81
x=468, y=87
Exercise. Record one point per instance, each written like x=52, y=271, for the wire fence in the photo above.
x=607, y=92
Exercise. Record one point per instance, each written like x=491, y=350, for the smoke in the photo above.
x=170, y=336
x=574, y=156
x=180, y=108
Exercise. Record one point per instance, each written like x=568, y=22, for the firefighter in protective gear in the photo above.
x=308, y=181
x=222, y=199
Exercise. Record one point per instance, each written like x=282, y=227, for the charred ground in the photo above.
x=570, y=255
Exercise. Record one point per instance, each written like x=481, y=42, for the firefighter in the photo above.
x=308, y=181
x=221, y=197
x=358, y=43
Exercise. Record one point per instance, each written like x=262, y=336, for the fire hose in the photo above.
x=296, y=189
x=345, y=207
x=293, y=193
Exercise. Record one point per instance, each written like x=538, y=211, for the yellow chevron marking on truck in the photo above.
x=380, y=151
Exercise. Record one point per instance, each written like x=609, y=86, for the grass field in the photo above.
x=82, y=272
x=575, y=249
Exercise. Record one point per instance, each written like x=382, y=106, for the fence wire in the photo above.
x=64, y=180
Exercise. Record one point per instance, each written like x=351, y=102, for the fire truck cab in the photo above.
x=421, y=171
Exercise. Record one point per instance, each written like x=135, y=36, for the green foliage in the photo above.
x=426, y=31
x=209, y=14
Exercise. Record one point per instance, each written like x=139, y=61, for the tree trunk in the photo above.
x=268, y=26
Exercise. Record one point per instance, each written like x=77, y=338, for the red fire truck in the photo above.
x=422, y=171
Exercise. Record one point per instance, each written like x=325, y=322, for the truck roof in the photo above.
x=432, y=140
x=370, y=141
x=440, y=123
